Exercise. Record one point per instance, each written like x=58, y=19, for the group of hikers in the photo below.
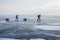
x=25, y=19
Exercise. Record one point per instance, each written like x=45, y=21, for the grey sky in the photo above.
x=33, y=7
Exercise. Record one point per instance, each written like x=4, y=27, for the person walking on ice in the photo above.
x=39, y=17
x=17, y=18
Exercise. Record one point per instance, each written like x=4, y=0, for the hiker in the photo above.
x=39, y=18
x=25, y=19
x=16, y=18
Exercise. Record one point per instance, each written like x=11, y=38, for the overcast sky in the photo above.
x=30, y=7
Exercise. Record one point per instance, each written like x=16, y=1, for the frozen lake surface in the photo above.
x=19, y=39
x=12, y=28
x=47, y=27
